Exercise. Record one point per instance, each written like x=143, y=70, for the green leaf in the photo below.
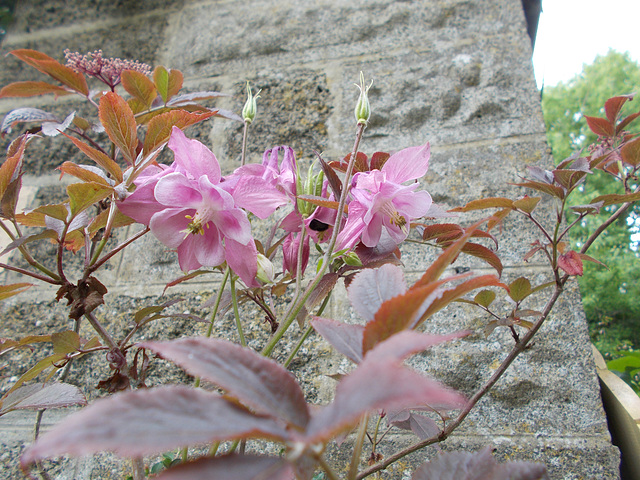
x=485, y=298
x=119, y=123
x=519, y=289
x=168, y=83
x=84, y=195
x=65, y=342
x=7, y=291
x=526, y=204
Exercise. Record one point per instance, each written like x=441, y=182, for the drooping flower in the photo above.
x=379, y=199
x=187, y=208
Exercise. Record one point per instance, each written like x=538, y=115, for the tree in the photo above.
x=611, y=297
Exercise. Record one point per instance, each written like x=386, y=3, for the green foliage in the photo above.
x=611, y=297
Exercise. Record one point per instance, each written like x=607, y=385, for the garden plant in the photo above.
x=336, y=220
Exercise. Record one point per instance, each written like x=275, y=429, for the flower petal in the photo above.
x=408, y=164
x=176, y=190
x=243, y=260
x=169, y=225
x=193, y=157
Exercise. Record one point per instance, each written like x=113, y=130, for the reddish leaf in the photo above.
x=484, y=253
x=119, y=123
x=7, y=291
x=40, y=395
x=452, y=294
x=192, y=98
x=553, y=190
x=376, y=385
x=588, y=258
x=324, y=288
x=591, y=208
x=526, y=204
x=99, y=157
x=626, y=121
x=407, y=343
x=477, y=466
x=84, y=195
x=334, y=181
x=160, y=127
x=446, y=258
x=630, y=152
x=615, y=199
x=139, y=86
x=254, y=380
x=484, y=203
x=346, y=338
x=31, y=89
x=83, y=173
x=151, y=421
x=321, y=202
x=600, y=126
x=231, y=467
x=446, y=231
x=11, y=169
x=53, y=68
x=613, y=106
x=8, y=344
x=372, y=287
x=571, y=263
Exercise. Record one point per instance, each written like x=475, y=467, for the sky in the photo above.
x=572, y=32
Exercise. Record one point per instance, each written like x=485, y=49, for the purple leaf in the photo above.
x=344, y=337
x=254, y=380
x=376, y=384
x=40, y=395
x=422, y=426
x=406, y=343
x=231, y=467
x=149, y=421
x=477, y=466
x=371, y=288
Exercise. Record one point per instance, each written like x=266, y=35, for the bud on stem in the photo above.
x=363, y=109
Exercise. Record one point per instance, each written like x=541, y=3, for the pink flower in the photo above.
x=187, y=208
x=379, y=199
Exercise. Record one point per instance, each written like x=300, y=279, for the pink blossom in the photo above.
x=379, y=199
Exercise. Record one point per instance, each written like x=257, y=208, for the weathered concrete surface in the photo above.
x=456, y=73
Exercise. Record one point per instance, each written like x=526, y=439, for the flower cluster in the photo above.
x=107, y=70
x=189, y=206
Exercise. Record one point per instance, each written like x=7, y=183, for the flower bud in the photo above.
x=363, y=109
x=266, y=271
x=250, y=108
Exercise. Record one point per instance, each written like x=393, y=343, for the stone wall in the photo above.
x=456, y=73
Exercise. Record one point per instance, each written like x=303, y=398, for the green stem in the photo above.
x=306, y=334
x=236, y=313
x=295, y=307
x=357, y=448
x=244, y=142
x=106, y=234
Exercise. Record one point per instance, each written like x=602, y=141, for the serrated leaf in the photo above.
x=481, y=465
x=485, y=254
x=630, y=152
x=102, y=159
x=519, y=289
x=22, y=115
x=83, y=173
x=613, y=106
x=626, y=121
x=11, y=170
x=40, y=395
x=526, y=204
x=370, y=288
x=159, y=129
x=484, y=203
x=254, y=380
x=571, y=263
x=553, y=190
x=485, y=298
x=65, y=342
x=231, y=467
x=7, y=291
x=84, y=195
x=32, y=89
x=119, y=123
x=600, y=126
x=614, y=199
x=54, y=69
x=151, y=421
x=346, y=338
x=139, y=86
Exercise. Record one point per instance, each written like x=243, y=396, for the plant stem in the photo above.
x=137, y=468
x=30, y=274
x=100, y=330
x=327, y=468
x=306, y=334
x=357, y=448
x=517, y=349
x=295, y=307
x=244, y=142
x=236, y=313
x=98, y=263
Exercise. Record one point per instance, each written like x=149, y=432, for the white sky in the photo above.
x=572, y=32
